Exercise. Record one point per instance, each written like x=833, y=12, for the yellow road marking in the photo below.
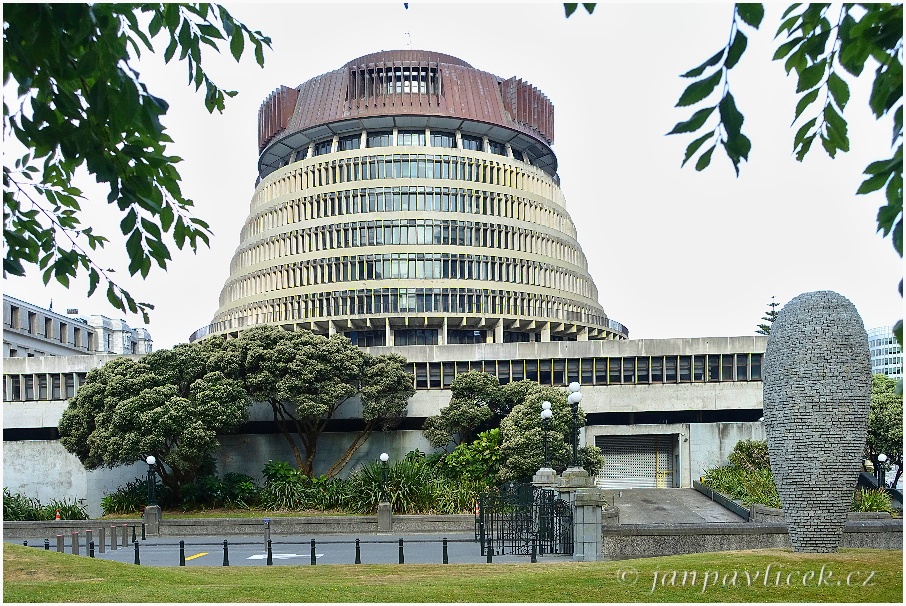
x=197, y=555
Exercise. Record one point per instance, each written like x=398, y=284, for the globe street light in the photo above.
x=384, y=458
x=546, y=415
x=882, y=467
x=152, y=482
x=574, y=398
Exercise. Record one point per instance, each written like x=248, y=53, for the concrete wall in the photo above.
x=713, y=443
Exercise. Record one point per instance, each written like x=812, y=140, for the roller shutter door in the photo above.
x=636, y=461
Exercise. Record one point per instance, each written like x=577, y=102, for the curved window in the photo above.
x=443, y=139
x=473, y=143
x=349, y=143
x=411, y=138
x=322, y=148
x=496, y=148
x=379, y=139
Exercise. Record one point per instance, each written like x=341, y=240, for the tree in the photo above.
x=472, y=396
x=769, y=317
x=168, y=404
x=522, y=437
x=885, y=424
x=306, y=378
x=824, y=54
x=82, y=105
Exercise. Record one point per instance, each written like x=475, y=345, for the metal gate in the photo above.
x=515, y=517
x=643, y=461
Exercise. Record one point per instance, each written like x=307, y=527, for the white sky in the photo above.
x=674, y=253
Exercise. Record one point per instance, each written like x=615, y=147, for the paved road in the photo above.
x=296, y=550
x=667, y=506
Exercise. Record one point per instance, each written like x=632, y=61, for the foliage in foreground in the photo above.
x=63, y=577
x=20, y=508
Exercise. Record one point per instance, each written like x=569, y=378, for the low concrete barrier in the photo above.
x=642, y=541
x=308, y=525
x=722, y=499
x=763, y=513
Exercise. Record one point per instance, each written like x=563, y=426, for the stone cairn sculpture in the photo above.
x=817, y=388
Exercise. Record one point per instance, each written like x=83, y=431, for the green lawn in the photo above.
x=853, y=575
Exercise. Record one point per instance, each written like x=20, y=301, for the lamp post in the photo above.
x=384, y=458
x=546, y=415
x=574, y=398
x=152, y=482
x=882, y=465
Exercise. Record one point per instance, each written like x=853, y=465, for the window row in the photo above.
x=403, y=266
x=405, y=232
x=367, y=83
x=629, y=370
x=39, y=325
x=313, y=174
x=404, y=138
x=42, y=387
x=471, y=301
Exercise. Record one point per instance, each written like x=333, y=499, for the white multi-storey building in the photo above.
x=886, y=353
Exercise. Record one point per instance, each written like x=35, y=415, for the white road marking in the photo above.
x=282, y=556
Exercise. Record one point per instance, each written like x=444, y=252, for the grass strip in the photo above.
x=852, y=575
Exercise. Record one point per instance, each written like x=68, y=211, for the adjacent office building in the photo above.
x=886, y=353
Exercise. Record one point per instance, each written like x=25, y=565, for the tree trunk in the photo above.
x=282, y=418
x=360, y=439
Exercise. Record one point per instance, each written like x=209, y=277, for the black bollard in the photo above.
x=143, y=531
x=25, y=543
x=182, y=553
x=490, y=551
x=270, y=554
x=226, y=554
x=91, y=549
x=59, y=543
x=46, y=545
x=314, y=558
x=137, y=561
x=446, y=558
x=534, y=550
x=133, y=533
x=358, y=552
x=402, y=558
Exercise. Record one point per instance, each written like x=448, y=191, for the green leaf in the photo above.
x=704, y=160
x=113, y=298
x=570, y=8
x=806, y=100
x=751, y=13
x=237, y=44
x=811, y=76
x=699, y=90
x=698, y=71
x=589, y=7
x=737, y=48
x=837, y=128
x=839, y=89
x=694, y=146
x=730, y=116
x=128, y=222
x=874, y=183
x=784, y=49
x=694, y=123
x=166, y=217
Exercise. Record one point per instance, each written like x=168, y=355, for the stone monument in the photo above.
x=817, y=387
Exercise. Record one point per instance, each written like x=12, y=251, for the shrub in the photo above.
x=233, y=490
x=126, y=499
x=20, y=508
x=409, y=487
x=873, y=499
x=751, y=455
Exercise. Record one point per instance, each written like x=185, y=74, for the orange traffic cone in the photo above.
x=58, y=514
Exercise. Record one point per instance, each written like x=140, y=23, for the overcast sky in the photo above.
x=674, y=253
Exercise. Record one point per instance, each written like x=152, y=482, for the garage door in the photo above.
x=636, y=461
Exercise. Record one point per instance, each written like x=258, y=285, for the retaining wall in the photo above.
x=648, y=540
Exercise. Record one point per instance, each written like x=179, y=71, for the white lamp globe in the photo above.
x=545, y=405
x=385, y=457
x=574, y=398
x=150, y=460
x=882, y=457
x=574, y=386
x=546, y=414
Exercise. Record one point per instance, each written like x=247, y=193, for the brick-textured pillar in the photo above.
x=587, y=535
x=817, y=388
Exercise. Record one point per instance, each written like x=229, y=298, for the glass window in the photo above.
x=405, y=137
x=434, y=374
x=572, y=372
x=517, y=155
x=544, y=372
x=726, y=367
x=379, y=139
x=642, y=369
x=443, y=139
x=449, y=372
x=756, y=367
x=742, y=362
x=614, y=364
x=350, y=142
x=503, y=371
x=698, y=368
x=713, y=368
x=600, y=371
x=421, y=375
x=657, y=370
x=473, y=143
x=464, y=337
x=515, y=337
x=496, y=148
x=531, y=370
x=670, y=369
x=322, y=148
x=628, y=370
x=685, y=369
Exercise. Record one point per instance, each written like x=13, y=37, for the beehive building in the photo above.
x=409, y=198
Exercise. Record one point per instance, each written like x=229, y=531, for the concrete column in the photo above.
x=545, y=478
x=442, y=334
x=389, y=335
x=331, y=328
x=384, y=517
x=582, y=335
x=546, y=333
x=498, y=331
x=587, y=536
x=152, y=519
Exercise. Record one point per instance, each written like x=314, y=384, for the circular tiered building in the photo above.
x=408, y=198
